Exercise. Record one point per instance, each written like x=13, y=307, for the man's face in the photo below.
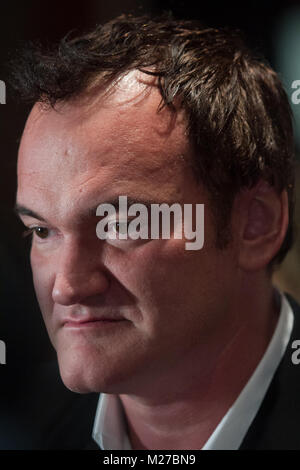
x=169, y=304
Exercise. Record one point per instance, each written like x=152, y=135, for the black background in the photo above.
x=21, y=326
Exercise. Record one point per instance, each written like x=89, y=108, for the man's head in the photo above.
x=161, y=112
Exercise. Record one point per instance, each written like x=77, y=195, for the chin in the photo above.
x=93, y=376
x=79, y=378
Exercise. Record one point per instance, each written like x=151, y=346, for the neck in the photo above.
x=185, y=407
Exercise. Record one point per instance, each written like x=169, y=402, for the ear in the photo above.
x=260, y=221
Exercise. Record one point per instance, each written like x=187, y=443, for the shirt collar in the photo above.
x=110, y=431
x=232, y=429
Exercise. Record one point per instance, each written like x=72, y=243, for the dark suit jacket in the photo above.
x=45, y=415
x=276, y=425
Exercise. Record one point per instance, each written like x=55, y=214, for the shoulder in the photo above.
x=276, y=424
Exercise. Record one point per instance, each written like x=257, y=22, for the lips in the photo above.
x=90, y=322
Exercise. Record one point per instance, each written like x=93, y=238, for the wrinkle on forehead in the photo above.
x=120, y=140
x=134, y=107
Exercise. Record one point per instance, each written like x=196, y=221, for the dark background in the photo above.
x=265, y=25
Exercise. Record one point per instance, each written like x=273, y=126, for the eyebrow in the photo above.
x=22, y=210
x=19, y=209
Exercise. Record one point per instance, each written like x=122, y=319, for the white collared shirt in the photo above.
x=109, y=430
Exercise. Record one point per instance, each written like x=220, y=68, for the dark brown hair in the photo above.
x=238, y=114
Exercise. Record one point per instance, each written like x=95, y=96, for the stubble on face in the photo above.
x=72, y=159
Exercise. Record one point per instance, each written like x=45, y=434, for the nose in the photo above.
x=80, y=275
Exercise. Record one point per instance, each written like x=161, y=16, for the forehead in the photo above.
x=118, y=140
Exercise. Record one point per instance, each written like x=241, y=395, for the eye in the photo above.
x=119, y=227
x=41, y=232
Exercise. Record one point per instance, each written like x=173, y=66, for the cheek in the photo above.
x=43, y=283
x=164, y=278
x=171, y=283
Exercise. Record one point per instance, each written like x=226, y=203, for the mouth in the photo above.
x=93, y=323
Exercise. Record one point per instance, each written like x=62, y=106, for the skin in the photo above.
x=182, y=356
